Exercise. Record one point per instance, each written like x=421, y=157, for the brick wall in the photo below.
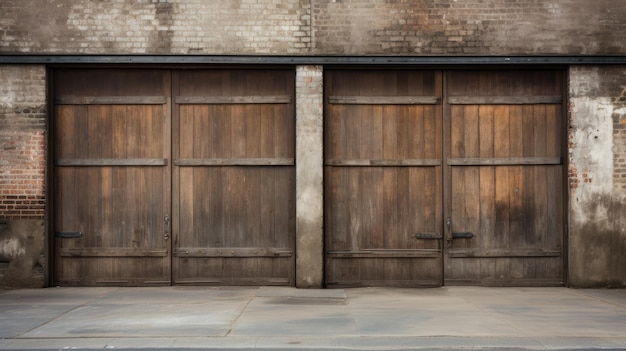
x=155, y=26
x=23, y=252
x=314, y=27
x=472, y=27
x=22, y=141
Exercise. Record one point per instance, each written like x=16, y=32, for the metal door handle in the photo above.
x=166, y=235
x=460, y=235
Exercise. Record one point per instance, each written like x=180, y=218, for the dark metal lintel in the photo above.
x=309, y=60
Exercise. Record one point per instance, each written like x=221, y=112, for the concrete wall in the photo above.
x=597, y=176
x=23, y=115
x=314, y=27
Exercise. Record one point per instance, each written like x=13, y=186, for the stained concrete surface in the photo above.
x=232, y=318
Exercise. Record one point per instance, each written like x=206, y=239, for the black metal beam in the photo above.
x=310, y=60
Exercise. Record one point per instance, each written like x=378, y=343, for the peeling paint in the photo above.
x=23, y=247
x=591, y=149
x=11, y=249
x=619, y=115
x=597, y=224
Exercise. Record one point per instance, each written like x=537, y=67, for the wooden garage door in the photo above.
x=495, y=208
x=383, y=157
x=504, y=178
x=234, y=176
x=193, y=189
x=112, y=177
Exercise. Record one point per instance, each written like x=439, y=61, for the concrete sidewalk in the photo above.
x=287, y=318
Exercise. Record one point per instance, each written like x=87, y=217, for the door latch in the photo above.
x=459, y=235
x=166, y=235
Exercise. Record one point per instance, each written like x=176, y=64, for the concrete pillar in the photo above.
x=597, y=176
x=309, y=177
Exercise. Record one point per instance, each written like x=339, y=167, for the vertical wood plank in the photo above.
x=238, y=131
x=253, y=134
x=528, y=128
x=553, y=130
x=540, y=131
x=267, y=132
x=457, y=137
x=404, y=137
x=390, y=132
x=416, y=132
x=516, y=131
x=470, y=131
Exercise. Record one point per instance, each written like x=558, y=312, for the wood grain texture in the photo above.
x=506, y=191
x=111, y=176
x=235, y=198
x=382, y=173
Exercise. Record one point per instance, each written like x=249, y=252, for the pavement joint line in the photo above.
x=497, y=316
x=232, y=324
x=89, y=301
x=600, y=299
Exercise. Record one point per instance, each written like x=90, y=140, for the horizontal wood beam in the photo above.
x=490, y=253
x=233, y=252
x=423, y=283
x=110, y=162
x=251, y=99
x=504, y=100
x=111, y=100
x=503, y=161
x=233, y=281
x=193, y=162
x=381, y=253
x=112, y=252
x=383, y=162
x=495, y=282
x=384, y=100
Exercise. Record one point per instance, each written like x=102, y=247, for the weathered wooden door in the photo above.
x=234, y=176
x=495, y=207
x=504, y=178
x=383, y=160
x=231, y=218
x=112, y=175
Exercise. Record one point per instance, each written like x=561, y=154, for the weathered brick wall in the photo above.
x=472, y=27
x=314, y=27
x=22, y=176
x=22, y=141
x=597, y=174
x=155, y=26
